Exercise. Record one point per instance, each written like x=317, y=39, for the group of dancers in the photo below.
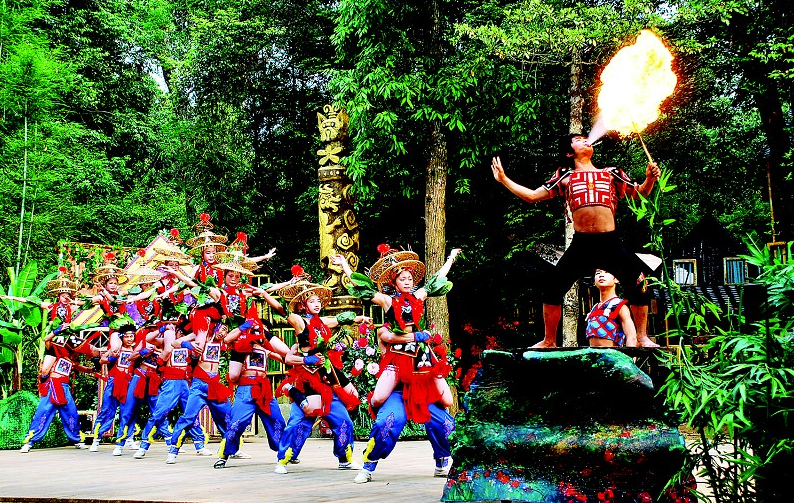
x=168, y=328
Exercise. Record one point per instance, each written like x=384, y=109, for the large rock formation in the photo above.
x=562, y=426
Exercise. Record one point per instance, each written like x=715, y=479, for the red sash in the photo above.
x=148, y=382
x=54, y=386
x=261, y=391
x=121, y=383
x=216, y=391
x=175, y=373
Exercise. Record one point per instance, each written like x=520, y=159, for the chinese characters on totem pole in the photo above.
x=338, y=225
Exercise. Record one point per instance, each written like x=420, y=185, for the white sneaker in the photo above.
x=94, y=446
x=349, y=466
x=443, y=470
x=117, y=450
x=171, y=459
x=26, y=448
x=240, y=455
x=363, y=477
x=140, y=454
x=282, y=469
x=80, y=445
x=204, y=452
x=131, y=445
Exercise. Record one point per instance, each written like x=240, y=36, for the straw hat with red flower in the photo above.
x=110, y=270
x=301, y=288
x=392, y=262
x=63, y=284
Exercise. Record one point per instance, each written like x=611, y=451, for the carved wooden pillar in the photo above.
x=338, y=224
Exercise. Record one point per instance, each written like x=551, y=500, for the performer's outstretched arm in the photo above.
x=525, y=193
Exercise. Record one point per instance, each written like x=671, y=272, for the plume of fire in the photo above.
x=635, y=82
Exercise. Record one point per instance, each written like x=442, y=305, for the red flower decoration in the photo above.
x=645, y=498
x=362, y=342
x=515, y=483
x=62, y=268
x=437, y=339
x=363, y=328
x=296, y=270
x=110, y=256
x=383, y=248
x=175, y=233
x=242, y=236
x=142, y=252
x=458, y=352
x=204, y=217
x=354, y=372
x=458, y=372
x=502, y=477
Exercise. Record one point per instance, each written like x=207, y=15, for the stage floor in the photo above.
x=66, y=474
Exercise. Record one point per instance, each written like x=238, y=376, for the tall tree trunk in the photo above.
x=436, y=198
x=570, y=303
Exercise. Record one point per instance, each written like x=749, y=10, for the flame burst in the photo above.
x=635, y=83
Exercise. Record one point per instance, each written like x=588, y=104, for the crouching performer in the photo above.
x=412, y=380
x=55, y=393
x=316, y=389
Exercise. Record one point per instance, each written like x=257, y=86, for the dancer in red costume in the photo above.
x=402, y=336
x=316, y=390
x=592, y=195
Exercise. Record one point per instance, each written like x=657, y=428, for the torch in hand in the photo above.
x=635, y=82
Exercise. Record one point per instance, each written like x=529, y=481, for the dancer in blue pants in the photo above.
x=57, y=397
x=389, y=424
x=253, y=394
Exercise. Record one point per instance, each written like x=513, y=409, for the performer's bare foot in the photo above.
x=644, y=342
x=545, y=344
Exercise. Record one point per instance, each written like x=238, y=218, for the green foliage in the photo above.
x=22, y=323
x=735, y=391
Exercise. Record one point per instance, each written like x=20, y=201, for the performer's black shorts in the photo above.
x=591, y=251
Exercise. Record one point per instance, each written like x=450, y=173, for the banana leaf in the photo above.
x=10, y=337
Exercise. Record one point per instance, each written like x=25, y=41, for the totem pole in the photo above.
x=338, y=225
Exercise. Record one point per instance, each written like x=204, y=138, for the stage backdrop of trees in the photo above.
x=122, y=118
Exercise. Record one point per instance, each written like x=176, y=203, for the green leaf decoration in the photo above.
x=346, y=317
x=437, y=286
x=121, y=321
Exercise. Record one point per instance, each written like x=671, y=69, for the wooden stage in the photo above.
x=70, y=475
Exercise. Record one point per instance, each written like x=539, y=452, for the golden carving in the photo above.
x=329, y=153
x=333, y=125
x=338, y=224
x=329, y=199
x=349, y=218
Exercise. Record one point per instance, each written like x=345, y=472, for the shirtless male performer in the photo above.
x=592, y=194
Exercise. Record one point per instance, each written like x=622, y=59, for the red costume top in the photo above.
x=166, y=284
x=61, y=311
x=206, y=270
x=112, y=309
x=601, y=187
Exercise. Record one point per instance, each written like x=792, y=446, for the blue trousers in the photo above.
x=45, y=413
x=128, y=413
x=196, y=400
x=390, y=422
x=172, y=392
x=107, y=413
x=243, y=409
x=299, y=426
